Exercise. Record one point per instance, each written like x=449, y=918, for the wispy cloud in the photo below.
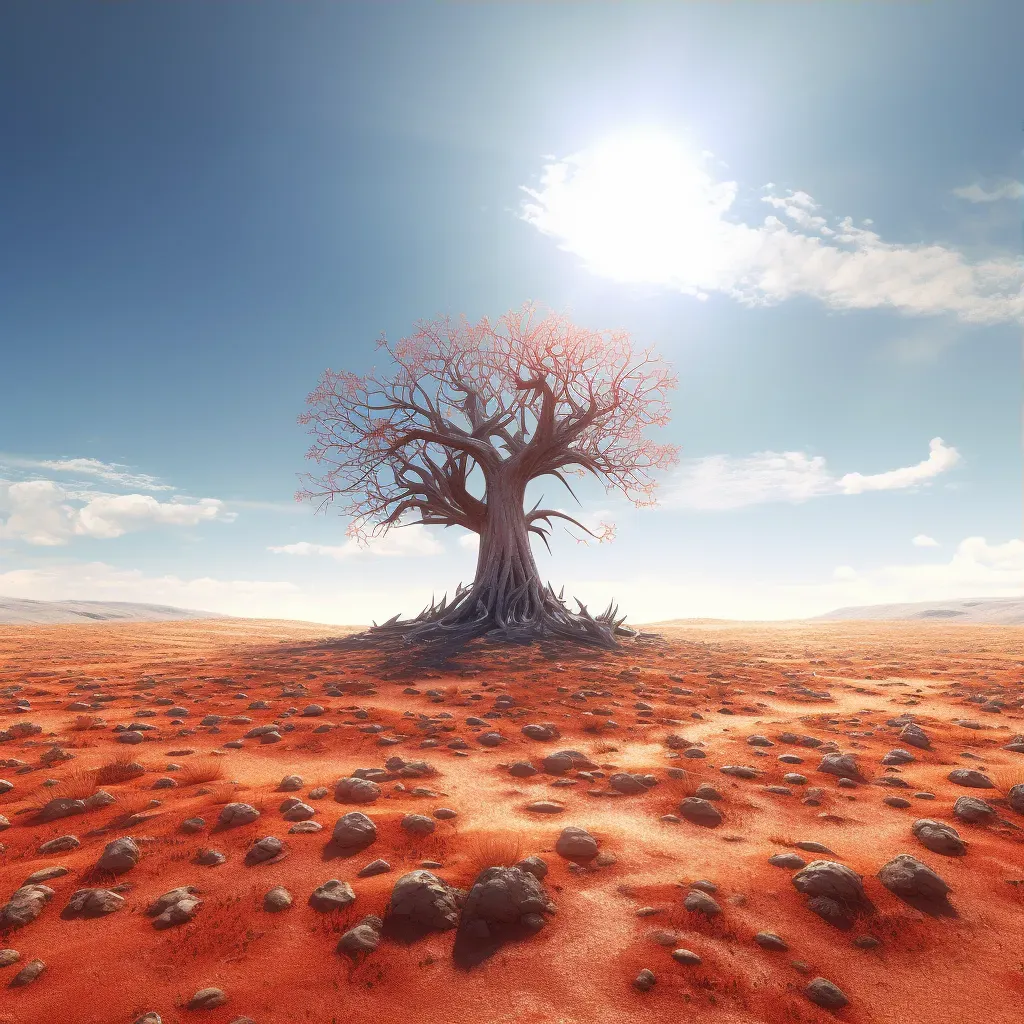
x=1005, y=189
x=657, y=215
x=922, y=540
x=41, y=512
x=110, y=472
x=719, y=482
x=410, y=541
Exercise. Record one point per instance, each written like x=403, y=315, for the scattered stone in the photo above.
x=909, y=878
x=939, y=837
x=825, y=994
x=237, y=814
x=361, y=939
x=418, y=824
x=787, y=860
x=337, y=895
x=356, y=791
x=700, y=812
x=208, y=999
x=421, y=900
x=93, y=903
x=264, y=850
x=576, y=844
x=769, y=940
x=119, y=856
x=28, y=973
x=354, y=831
x=644, y=981
x=685, y=956
x=699, y=902
x=974, y=810
x=174, y=907
x=278, y=898
x=971, y=778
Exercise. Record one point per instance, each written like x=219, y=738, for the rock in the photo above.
x=421, y=900
x=939, y=837
x=356, y=791
x=208, y=999
x=537, y=866
x=28, y=973
x=192, y=825
x=210, y=858
x=842, y=765
x=354, y=831
x=707, y=792
x=915, y=736
x=898, y=756
x=624, y=782
x=787, y=860
x=644, y=981
x=739, y=771
x=576, y=844
x=149, y=1018
x=769, y=940
x=699, y=902
x=830, y=879
x=304, y=827
x=521, y=769
x=1015, y=797
x=268, y=848
x=45, y=874
x=418, y=824
x=375, y=867
x=540, y=732
x=825, y=994
x=490, y=739
x=24, y=906
x=61, y=807
x=974, y=810
x=290, y=783
x=237, y=814
x=336, y=895
x=278, y=898
x=909, y=878
x=62, y=844
x=177, y=906
x=971, y=778
x=119, y=856
x=299, y=811
x=685, y=956
x=361, y=939
x=93, y=903
x=557, y=764
x=8, y=957
x=545, y=807
x=501, y=897
x=700, y=812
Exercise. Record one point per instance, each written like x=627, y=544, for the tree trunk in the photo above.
x=507, y=582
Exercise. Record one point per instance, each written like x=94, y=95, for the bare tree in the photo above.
x=457, y=428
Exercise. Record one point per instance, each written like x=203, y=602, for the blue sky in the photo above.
x=205, y=205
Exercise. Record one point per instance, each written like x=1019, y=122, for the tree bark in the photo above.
x=507, y=581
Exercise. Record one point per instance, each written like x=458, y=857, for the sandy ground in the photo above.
x=714, y=685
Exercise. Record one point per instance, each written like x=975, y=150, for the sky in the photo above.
x=813, y=212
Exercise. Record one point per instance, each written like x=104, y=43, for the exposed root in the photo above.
x=445, y=628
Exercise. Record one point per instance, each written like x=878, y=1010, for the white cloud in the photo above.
x=403, y=542
x=469, y=541
x=41, y=512
x=940, y=458
x=646, y=211
x=1005, y=189
x=112, y=472
x=922, y=540
x=717, y=482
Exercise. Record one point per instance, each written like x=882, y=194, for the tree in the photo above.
x=466, y=418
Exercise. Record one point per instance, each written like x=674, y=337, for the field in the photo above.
x=802, y=691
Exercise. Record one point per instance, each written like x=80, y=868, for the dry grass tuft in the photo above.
x=1006, y=778
x=76, y=785
x=197, y=772
x=493, y=849
x=121, y=769
x=225, y=793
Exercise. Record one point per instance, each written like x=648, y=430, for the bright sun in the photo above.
x=637, y=207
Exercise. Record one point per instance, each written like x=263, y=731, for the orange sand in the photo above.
x=579, y=970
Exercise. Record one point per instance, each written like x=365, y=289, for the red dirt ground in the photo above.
x=737, y=681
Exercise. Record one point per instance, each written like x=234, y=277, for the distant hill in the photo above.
x=16, y=611
x=1002, y=611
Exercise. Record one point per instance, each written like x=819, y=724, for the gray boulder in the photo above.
x=362, y=939
x=939, y=837
x=119, y=856
x=830, y=879
x=93, y=903
x=24, y=906
x=332, y=895
x=356, y=791
x=576, y=843
x=354, y=831
x=422, y=901
x=909, y=878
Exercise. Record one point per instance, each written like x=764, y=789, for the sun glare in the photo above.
x=637, y=207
